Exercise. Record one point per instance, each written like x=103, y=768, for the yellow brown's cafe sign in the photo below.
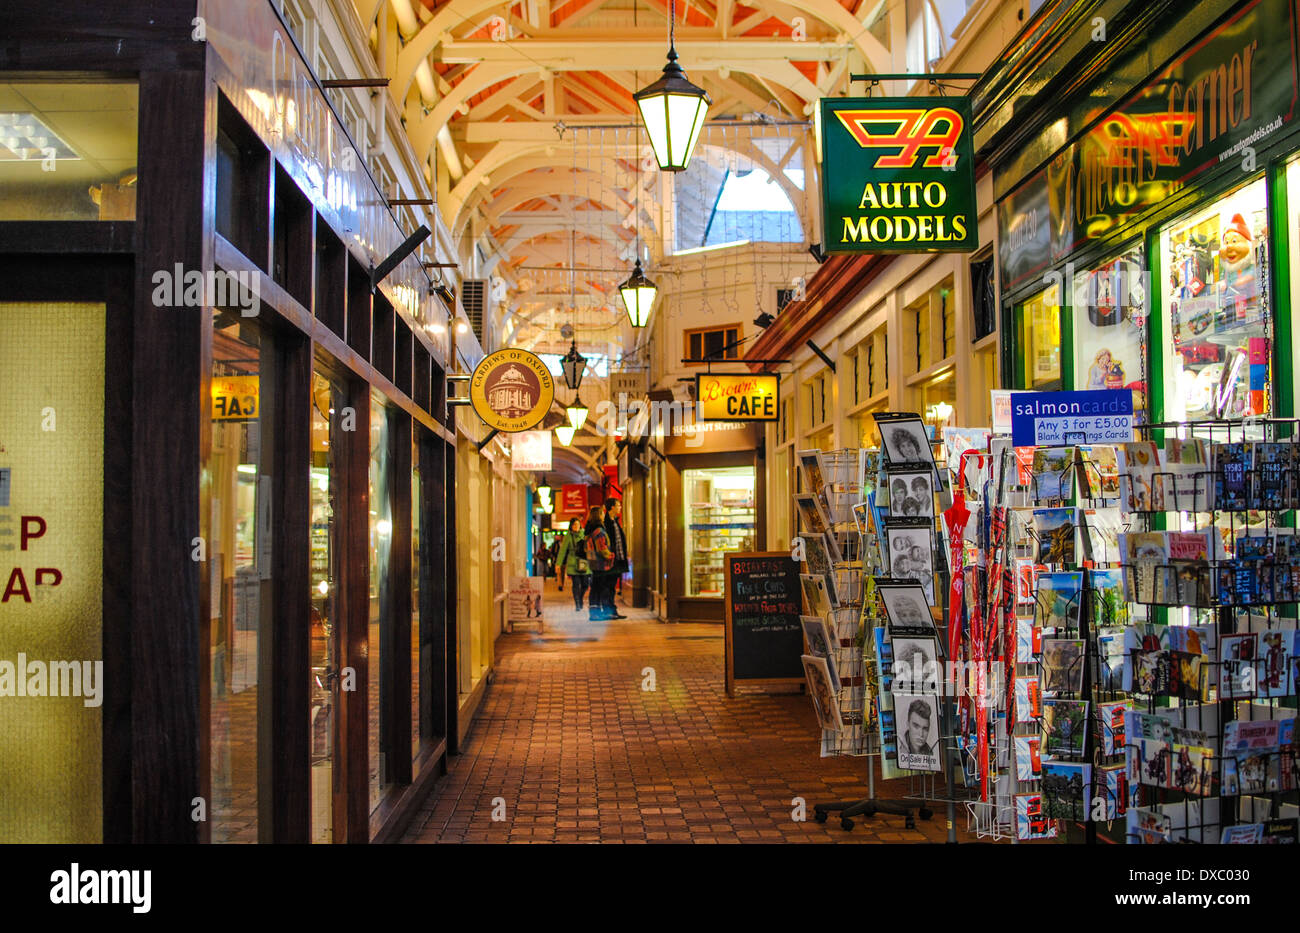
x=235, y=398
x=898, y=175
x=737, y=396
x=512, y=390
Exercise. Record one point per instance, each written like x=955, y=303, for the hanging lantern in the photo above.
x=565, y=434
x=639, y=296
x=577, y=413
x=574, y=365
x=544, y=497
x=673, y=110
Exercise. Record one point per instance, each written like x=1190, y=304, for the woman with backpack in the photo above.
x=572, y=562
x=601, y=560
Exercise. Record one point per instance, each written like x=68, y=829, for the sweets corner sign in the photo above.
x=512, y=390
x=898, y=175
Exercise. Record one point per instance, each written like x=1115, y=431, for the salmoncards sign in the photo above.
x=898, y=175
x=737, y=396
x=1095, y=416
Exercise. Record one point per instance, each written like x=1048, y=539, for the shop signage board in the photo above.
x=531, y=450
x=898, y=175
x=512, y=390
x=52, y=536
x=1001, y=401
x=764, y=638
x=235, y=398
x=737, y=396
x=1096, y=416
x=1222, y=101
x=523, y=600
x=573, y=499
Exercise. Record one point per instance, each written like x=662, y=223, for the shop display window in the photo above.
x=68, y=150
x=1109, y=309
x=239, y=567
x=1216, y=309
x=54, y=754
x=1038, y=340
x=720, y=517
x=327, y=398
x=380, y=627
x=1293, y=244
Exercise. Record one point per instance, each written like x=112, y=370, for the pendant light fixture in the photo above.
x=574, y=365
x=639, y=292
x=672, y=109
x=577, y=413
x=638, y=295
x=565, y=433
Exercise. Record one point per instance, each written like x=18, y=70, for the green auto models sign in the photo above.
x=898, y=175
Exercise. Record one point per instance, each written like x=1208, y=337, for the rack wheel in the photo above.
x=925, y=813
x=820, y=815
x=846, y=824
x=908, y=822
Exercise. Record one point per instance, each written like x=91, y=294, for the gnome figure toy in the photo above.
x=1237, y=263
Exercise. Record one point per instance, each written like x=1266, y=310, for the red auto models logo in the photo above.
x=909, y=131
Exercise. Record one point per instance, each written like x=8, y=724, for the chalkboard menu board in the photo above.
x=763, y=634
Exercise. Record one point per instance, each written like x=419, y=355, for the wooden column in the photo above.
x=352, y=766
x=169, y=381
x=395, y=638
x=284, y=794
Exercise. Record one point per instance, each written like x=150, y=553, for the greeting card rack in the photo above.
x=1213, y=666
x=1080, y=766
x=845, y=476
x=1028, y=585
x=918, y=512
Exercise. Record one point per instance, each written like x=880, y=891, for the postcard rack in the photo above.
x=1213, y=668
x=836, y=480
x=1138, y=638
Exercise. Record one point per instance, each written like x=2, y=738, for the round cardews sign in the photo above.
x=512, y=390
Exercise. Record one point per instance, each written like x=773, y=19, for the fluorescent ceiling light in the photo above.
x=25, y=136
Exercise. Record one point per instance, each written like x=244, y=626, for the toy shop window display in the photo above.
x=1217, y=310
x=1109, y=304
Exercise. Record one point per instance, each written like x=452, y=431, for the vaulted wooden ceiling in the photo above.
x=524, y=112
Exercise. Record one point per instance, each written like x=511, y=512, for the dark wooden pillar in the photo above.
x=284, y=793
x=433, y=590
x=169, y=382
x=395, y=638
x=352, y=766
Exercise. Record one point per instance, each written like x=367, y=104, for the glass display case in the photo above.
x=720, y=517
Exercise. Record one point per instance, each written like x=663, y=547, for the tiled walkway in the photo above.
x=570, y=748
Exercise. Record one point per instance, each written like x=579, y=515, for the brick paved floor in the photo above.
x=578, y=752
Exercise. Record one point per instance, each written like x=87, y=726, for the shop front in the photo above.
x=714, y=503
x=225, y=443
x=1150, y=249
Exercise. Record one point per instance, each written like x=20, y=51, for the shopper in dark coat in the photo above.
x=601, y=560
x=618, y=545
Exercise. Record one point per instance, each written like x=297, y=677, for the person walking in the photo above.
x=541, y=558
x=572, y=562
x=601, y=560
x=618, y=545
